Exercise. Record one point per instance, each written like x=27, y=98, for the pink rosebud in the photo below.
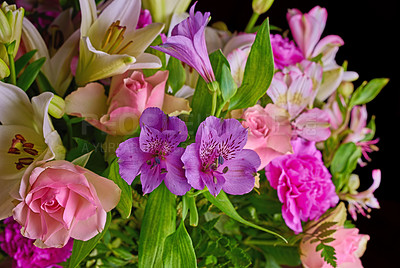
x=349, y=247
x=61, y=200
x=269, y=132
x=130, y=93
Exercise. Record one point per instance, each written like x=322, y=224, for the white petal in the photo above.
x=88, y=14
x=15, y=107
x=41, y=118
x=146, y=61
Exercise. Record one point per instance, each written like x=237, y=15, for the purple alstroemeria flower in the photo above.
x=217, y=158
x=187, y=43
x=155, y=153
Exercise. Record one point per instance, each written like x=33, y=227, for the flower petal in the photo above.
x=131, y=159
x=175, y=179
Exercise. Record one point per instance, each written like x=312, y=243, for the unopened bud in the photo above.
x=346, y=89
x=57, y=107
x=261, y=6
x=4, y=71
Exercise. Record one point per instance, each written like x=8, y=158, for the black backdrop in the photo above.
x=368, y=28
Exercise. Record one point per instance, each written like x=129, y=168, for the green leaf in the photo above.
x=258, y=72
x=202, y=98
x=283, y=255
x=82, y=147
x=159, y=221
x=345, y=158
x=81, y=249
x=23, y=61
x=178, y=249
x=82, y=160
x=43, y=83
x=239, y=257
x=325, y=226
x=29, y=75
x=227, y=84
x=328, y=254
x=343, y=164
x=177, y=74
x=124, y=206
x=372, y=126
x=224, y=204
x=366, y=93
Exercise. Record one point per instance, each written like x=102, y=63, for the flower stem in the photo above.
x=214, y=102
x=251, y=22
x=10, y=53
x=69, y=129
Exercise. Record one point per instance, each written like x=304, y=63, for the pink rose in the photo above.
x=349, y=247
x=61, y=200
x=303, y=183
x=269, y=132
x=130, y=93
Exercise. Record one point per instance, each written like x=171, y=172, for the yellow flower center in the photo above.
x=113, y=38
x=20, y=146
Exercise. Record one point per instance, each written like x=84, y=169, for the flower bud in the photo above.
x=10, y=23
x=261, y=6
x=4, y=71
x=346, y=89
x=162, y=10
x=57, y=107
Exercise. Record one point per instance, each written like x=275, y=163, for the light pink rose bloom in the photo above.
x=269, y=132
x=130, y=94
x=349, y=247
x=61, y=200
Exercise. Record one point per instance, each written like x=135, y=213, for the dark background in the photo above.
x=369, y=29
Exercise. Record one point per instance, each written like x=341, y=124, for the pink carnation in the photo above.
x=285, y=52
x=349, y=247
x=25, y=254
x=303, y=183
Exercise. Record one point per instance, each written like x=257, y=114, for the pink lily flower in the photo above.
x=364, y=201
x=295, y=87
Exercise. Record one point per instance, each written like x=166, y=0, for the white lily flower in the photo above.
x=56, y=68
x=27, y=136
x=110, y=44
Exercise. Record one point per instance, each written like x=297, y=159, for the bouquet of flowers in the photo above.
x=134, y=134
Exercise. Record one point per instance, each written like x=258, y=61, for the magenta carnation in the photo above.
x=303, y=183
x=25, y=254
x=285, y=52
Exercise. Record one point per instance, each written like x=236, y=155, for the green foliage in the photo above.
x=81, y=249
x=368, y=91
x=159, y=221
x=177, y=74
x=343, y=164
x=124, y=206
x=258, y=72
x=178, y=249
x=223, y=203
x=26, y=79
x=324, y=235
